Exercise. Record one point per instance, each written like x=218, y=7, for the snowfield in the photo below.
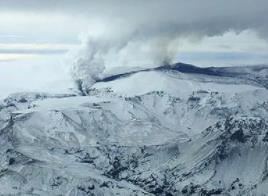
x=164, y=131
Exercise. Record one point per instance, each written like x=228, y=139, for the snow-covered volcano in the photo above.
x=171, y=130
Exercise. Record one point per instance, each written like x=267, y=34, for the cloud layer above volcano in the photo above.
x=208, y=17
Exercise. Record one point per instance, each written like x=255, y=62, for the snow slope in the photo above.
x=153, y=132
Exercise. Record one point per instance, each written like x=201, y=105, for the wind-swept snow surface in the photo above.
x=154, y=132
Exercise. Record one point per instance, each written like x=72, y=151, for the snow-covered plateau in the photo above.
x=167, y=131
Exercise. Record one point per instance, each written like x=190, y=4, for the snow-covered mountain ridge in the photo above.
x=249, y=74
x=172, y=130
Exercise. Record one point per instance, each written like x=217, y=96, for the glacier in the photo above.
x=167, y=131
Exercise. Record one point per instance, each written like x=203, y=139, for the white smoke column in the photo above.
x=88, y=64
x=146, y=52
x=89, y=61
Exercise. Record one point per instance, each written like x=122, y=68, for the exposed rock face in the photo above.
x=193, y=135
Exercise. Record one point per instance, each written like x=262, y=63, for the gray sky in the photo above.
x=35, y=35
